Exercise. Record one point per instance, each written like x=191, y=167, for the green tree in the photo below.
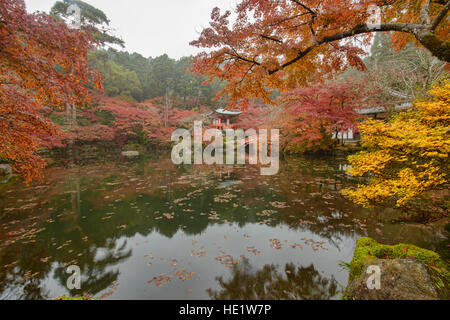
x=90, y=17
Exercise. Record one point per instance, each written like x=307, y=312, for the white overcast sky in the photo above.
x=153, y=27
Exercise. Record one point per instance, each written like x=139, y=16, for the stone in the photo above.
x=6, y=169
x=130, y=153
x=401, y=279
x=5, y=173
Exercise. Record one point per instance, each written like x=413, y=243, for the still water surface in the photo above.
x=147, y=229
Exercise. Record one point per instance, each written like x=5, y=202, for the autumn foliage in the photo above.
x=114, y=121
x=313, y=115
x=43, y=64
x=289, y=43
x=256, y=115
x=146, y=121
x=408, y=156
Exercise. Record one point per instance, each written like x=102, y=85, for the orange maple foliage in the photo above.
x=284, y=44
x=43, y=63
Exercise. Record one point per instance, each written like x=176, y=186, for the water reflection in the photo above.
x=293, y=283
x=105, y=217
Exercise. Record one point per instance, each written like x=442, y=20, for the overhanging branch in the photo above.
x=441, y=15
x=361, y=29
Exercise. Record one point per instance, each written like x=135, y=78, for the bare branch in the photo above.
x=361, y=29
x=271, y=38
x=287, y=19
x=425, y=13
x=304, y=7
x=441, y=15
x=297, y=58
x=314, y=15
x=237, y=56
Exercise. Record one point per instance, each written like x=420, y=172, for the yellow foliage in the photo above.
x=406, y=157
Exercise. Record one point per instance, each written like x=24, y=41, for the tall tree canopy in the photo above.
x=43, y=64
x=282, y=44
x=89, y=16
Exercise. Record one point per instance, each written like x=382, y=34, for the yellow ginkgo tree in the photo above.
x=407, y=157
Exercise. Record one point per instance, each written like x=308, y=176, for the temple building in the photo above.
x=224, y=119
x=376, y=113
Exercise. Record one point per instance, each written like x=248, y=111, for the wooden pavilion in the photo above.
x=224, y=119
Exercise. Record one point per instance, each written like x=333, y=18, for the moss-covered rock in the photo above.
x=368, y=251
x=66, y=298
x=400, y=279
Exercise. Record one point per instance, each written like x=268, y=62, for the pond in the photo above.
x=147, y=229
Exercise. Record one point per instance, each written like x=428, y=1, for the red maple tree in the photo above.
x=43, y=63
x=284, y=44
x=322, y=110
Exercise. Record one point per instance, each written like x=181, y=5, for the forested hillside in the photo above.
x=133, y=77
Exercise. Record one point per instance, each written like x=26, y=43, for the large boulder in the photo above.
x=401, y=279
x=406, y=272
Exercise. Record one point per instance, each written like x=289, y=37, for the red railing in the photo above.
x=222, y=126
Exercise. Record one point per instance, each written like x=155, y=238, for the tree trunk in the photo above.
x=439, y=48
x=74, y=115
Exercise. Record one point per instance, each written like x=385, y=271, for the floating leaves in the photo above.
x=178, y=274
x=315, y=245
x=214, y=216
x=199, y=252
x=275, y=244
x=182, y=275
x=160, y=280
x=253, y=250
x=279, y=205
x=295, y=245
x=169, y=215
x=227, y=260
x=224, y=198
x=306, y=222
x=266, y=213
x=111, y=290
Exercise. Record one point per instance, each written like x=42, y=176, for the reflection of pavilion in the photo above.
x=224, y=119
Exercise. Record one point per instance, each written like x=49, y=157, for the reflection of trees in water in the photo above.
x=95, y=277
x=24, y=279
x=118, y=186
x=68, y=240
x=269, y=284
x=80, y=200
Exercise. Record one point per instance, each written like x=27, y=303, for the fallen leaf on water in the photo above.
x=275, y=244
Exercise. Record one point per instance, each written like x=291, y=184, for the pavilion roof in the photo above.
x=227, y=112
x=398, y=108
